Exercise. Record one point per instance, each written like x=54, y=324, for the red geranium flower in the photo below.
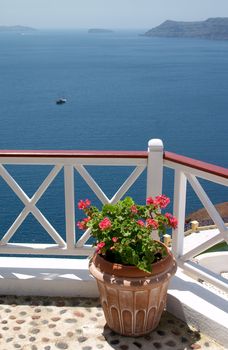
x=105, y=224
x=149, y=201
x=162, y=201
x=172, y=220
x=83, y=204
x=140, y=223
x=152, y=223
x=134, y=209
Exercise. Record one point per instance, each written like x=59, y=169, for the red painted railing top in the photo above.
x=173, y=157
x=197, y=164
x=72, y=154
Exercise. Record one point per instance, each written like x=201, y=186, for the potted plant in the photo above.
x=131, y=268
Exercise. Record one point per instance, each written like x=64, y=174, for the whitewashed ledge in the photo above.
x=187, y=299
x=46, y=277
x=200, y=306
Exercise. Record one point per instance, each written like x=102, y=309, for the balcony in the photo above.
x=197, y=294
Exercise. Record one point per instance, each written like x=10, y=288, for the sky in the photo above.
x=106, y=13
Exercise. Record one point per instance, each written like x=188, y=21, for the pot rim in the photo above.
x=120, y=270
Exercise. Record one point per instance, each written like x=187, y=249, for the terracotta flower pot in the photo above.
x=132, y=299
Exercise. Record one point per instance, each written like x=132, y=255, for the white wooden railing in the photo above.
x=70, y=161
x=188, y=170
x=153, y=161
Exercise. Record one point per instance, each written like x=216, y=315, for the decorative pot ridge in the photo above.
x=123, y=278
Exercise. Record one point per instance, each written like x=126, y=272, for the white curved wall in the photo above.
x=216, y=261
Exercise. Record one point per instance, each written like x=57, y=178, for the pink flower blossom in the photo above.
x=114, y=239
x=140, y=223
x=105, y=224
x=149, y=201
x=134, y=209
x=162, y=201
x=100, y=245
x=172, y=220
x=87, y=219
x=83, y=204
x=152, y=223
x=82, y=225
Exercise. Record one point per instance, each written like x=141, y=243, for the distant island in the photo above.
x=212, y=28
x=16, y=29
x=99, y=31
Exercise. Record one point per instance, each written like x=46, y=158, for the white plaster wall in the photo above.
x=216, y=261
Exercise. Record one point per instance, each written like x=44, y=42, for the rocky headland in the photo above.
x=212, y=28
x=203, y=217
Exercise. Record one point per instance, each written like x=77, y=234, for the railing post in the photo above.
x=154, y=168
x=154, y=171
x=180, y=186
x=69, y=205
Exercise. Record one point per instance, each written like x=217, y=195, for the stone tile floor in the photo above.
x=45, y=323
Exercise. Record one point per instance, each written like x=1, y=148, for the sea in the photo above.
x=122, y=90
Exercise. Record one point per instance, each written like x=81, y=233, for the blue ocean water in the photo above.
x=122, y=89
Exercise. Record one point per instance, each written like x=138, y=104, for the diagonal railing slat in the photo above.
x=16, y=224
x=208, y=205
x=127, y=184
x=48, y=227
x=202, y=247
x=45, y=184
x=92, y=184
x=84, y=238
x=14, y=186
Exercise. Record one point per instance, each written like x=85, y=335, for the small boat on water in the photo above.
x=61, y=101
